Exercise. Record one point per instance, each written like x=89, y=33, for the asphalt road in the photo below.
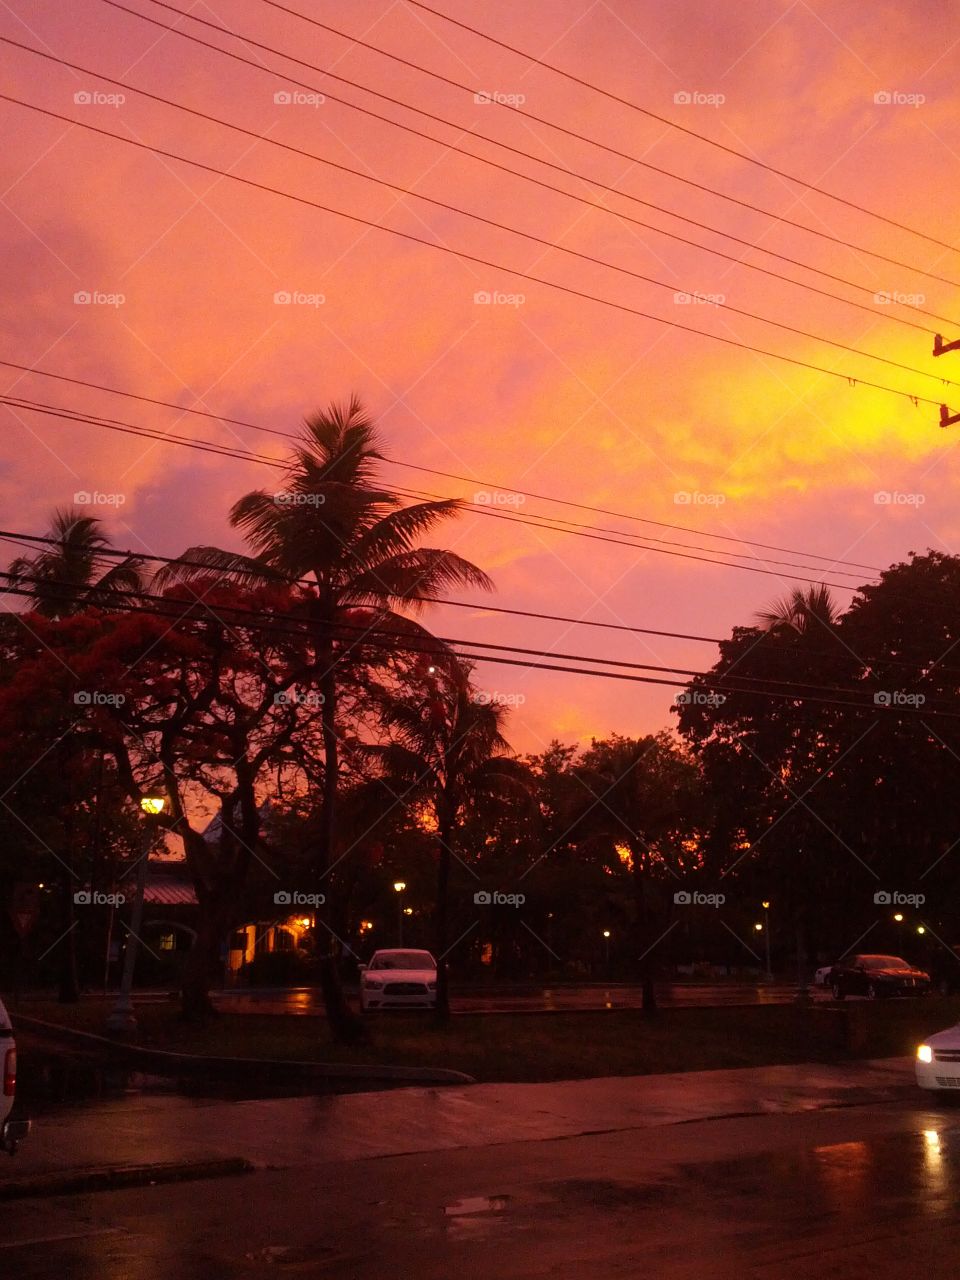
x=851, y=1193
x=307, y=1000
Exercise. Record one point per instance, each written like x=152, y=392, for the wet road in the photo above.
x=854, y=1193
x=336, y=1128
x=307, y=1000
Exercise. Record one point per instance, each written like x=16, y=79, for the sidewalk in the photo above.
x=307, y=1131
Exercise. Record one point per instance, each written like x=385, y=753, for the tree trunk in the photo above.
x=69, y=992
x=201, y=965
x=344, y=1024
x=444, y=833
x=649, y=996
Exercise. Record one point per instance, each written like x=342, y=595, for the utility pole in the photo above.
x=940, y=348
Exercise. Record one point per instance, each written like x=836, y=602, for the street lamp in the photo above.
x=899, y=917
x=766, y=934
x=606, y=943
x=399, y=886
x=121, y=1016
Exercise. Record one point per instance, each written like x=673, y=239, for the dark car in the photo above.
x=877, y=976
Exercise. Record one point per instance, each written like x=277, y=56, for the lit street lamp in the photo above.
x=606, y=943
x=399, y=886
x=121, y=1016
x=766, y=934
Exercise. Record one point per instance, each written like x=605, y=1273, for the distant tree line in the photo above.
x=293, y=690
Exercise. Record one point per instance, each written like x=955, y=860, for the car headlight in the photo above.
x=924, y=1053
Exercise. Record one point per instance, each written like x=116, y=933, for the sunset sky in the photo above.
x=546, y=391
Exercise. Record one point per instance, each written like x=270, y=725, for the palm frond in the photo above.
x=401, y=578
x=799, y=609
x=341, y=444
x=198, y=563
x=122, y=578
x=400, y=530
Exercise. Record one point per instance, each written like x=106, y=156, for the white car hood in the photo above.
x=401, y=975
x=948, y=1039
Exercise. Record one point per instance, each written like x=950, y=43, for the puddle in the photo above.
x=471, y=1205
x=475, y=1217
x=290, y=1257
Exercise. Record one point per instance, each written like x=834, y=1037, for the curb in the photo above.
x=116, y=1177
x=275, y=1071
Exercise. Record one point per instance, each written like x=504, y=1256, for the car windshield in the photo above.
x=882, y=962
x=403, y=960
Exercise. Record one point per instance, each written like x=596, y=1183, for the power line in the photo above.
x=476, y=217
x=581, y=294
x=536, y=521
x=466, y=213
x=632, y=539
x=889, y=314
x=149, y=433
x=241, y=455
x=741, y=155
x=483, y=607
x=622, y=155
x=392, y=639
x=447, y=475
x=30, y=542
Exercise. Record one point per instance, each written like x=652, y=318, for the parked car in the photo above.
x=399, y=978
x=12, y=1132
x=877, y=976
x=821, y=977
x=938, y=1060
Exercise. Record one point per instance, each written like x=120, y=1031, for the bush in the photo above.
x=278, y=969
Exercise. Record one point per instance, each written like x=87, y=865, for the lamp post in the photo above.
x=766, y=934
x=399, y=886
x=606, y=943
x=121, y=1016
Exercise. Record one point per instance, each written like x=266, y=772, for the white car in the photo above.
x=398, y=979
x=938, y=1060
x=12, y=1132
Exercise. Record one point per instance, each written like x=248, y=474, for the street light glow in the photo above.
x=899, y=917
x=153, y=805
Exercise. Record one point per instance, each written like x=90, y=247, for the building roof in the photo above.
x=169, y=884
x=170, y=893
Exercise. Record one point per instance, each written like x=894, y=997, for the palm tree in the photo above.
x=801, y=610
x=75, y=570
x=449, y=753
x=71, y=572
x=333, y=523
